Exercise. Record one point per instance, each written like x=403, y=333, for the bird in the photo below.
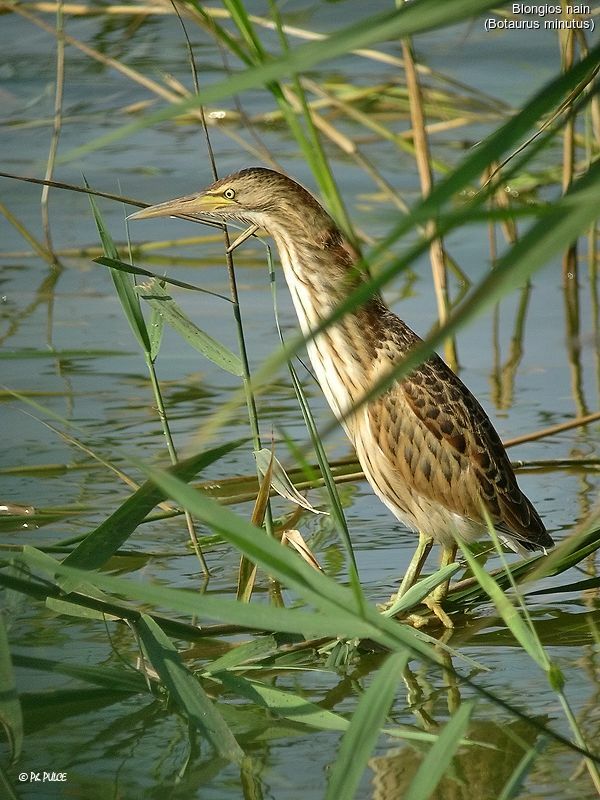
x=425, y=444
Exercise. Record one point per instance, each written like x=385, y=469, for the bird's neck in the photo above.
x=321, y=269
x=321, y=273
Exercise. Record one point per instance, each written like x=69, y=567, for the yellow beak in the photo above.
x=191, y=205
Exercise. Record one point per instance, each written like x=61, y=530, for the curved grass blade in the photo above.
x=280, y=481
x=122, y=266
x=508, y=612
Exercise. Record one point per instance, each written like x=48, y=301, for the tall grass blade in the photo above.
x=508, y=612
x=362, y=734
x=416, y=17
x=317, y=443
x=437, y=760
x=124, y=283
x=496, y=284
x=564, y=222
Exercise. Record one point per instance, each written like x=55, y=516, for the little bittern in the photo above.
x=426, y=446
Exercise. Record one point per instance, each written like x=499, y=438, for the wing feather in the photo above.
x=432, y=430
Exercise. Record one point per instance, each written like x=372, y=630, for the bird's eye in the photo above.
x=229, y=194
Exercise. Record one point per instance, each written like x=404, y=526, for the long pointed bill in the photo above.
x=191, y=205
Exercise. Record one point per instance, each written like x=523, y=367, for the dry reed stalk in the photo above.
x=422, y=155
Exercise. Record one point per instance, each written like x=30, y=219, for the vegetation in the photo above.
x=233, y=666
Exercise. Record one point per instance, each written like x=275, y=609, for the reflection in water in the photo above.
x=478, y=771
x=505, y=375
x=573, y=339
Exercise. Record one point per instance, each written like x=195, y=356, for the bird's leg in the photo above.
x=437, y=597
x=413, y=570
x=417, y=563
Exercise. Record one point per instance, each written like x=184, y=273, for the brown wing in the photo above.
x=435, y=433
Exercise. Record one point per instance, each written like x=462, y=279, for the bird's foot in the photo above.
x=432, y=603
x=420, y=620
x=388, y=603
x=416, y=620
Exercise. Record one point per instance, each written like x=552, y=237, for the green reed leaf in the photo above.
x=186, y=691
x=364, y=729
x=11, y=716
x=161, y=302
x=105, y=540
x=437, y=760
x=124, y=283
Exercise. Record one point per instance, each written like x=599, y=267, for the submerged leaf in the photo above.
x=285, y=703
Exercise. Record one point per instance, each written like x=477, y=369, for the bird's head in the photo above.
x=255, y=196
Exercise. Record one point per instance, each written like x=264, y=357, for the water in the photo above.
x=132, y=745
